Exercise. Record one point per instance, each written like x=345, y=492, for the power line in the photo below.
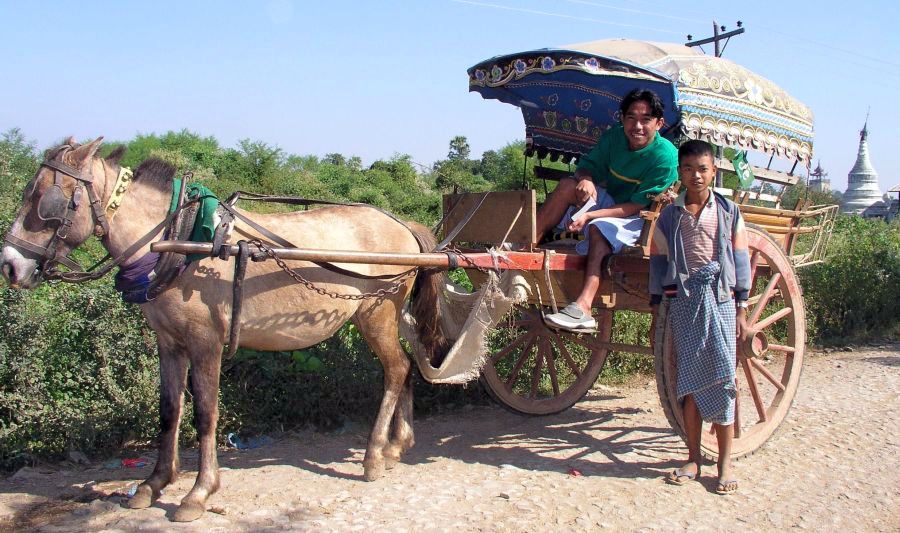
x=832, y=47
x=638, y=11
x=561, y=15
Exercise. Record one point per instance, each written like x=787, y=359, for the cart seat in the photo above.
x=484, y=220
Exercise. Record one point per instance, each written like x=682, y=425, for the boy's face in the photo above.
x=696, y=172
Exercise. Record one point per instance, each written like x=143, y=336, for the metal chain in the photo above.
x=380, y=294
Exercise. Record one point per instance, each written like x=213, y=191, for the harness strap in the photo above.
x=237, y=298
x=78, y=277
x=455, y=231
x=287, y=244
x=40, y=250
x=67, y=170
x=294, y=200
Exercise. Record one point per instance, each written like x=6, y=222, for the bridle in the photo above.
x=55, y=207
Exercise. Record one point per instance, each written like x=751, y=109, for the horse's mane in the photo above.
x=154, y=171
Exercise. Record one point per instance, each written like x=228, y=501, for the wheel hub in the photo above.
x=755, y=345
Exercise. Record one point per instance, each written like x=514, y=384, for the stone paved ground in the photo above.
x=834, y=465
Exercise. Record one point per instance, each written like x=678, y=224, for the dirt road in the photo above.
x=834, y=465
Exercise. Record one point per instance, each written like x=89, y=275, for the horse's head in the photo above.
x=59, y=212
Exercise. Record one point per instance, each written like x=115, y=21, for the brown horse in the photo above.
x=64, y=204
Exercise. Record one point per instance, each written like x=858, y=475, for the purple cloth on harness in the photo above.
x=133, y=280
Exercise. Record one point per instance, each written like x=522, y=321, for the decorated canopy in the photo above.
x=569, y=96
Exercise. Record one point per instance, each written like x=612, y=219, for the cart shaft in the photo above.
x=504, y=260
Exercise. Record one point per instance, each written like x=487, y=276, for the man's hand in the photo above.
x=585, y=189
x=579, y=223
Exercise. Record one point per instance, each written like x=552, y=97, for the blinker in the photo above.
x=53, y=204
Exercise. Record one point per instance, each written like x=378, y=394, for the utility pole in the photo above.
x=716, y=39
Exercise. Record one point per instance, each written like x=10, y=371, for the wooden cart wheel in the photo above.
x=536, y=370
x=768, y=365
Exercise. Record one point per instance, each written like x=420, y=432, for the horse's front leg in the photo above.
x=205, y=366
x=172, y=374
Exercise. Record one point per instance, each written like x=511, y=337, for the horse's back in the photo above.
x=357, y=228
x=282, y=311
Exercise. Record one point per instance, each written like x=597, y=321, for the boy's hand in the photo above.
x=744, y=331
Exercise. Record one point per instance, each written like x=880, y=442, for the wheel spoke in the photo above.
x=551, y=365
x=538, y=368
x=768, y=375
x=565, y=355
x=771, y=319
x=511, y=346
x=788, y=350
x=518, y=367
x=764, y=297
x=754, y=392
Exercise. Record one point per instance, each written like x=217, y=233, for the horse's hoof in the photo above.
x=373, y=471
x=188, y=512
x=142, y=498
x=392, y=454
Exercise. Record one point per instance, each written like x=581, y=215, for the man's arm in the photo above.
x=615, y=211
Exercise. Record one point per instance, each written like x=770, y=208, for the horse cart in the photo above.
x=568, y=98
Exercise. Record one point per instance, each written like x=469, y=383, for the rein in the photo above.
x=54, y=206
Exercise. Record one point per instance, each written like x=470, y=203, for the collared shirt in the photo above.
x=698, y=233
x=668, y=267
x=631, y=175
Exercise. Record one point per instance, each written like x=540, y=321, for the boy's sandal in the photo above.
x=725, y=487
x=680, y=477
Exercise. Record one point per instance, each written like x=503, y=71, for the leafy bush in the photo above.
x=855, y=293
x=78, y=370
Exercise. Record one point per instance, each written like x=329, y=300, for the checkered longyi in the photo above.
x=705, y=346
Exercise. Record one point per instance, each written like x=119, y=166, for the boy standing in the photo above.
x=699, y=256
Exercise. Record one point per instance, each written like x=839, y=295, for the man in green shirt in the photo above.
x=628, y=167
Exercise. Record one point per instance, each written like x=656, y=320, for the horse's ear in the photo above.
x=116, y=155
x=70, y=140
x=84, y=153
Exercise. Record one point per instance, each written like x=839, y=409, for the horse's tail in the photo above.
x=426, y=301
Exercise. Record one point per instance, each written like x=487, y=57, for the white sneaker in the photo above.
x=572, y=318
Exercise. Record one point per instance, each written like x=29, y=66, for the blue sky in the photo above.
x=376, y=78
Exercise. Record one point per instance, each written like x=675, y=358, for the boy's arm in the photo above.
x=741, y=259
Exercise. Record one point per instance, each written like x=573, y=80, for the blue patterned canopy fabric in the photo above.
x=569, y=96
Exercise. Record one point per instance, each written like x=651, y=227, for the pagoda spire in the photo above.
x=862, y=181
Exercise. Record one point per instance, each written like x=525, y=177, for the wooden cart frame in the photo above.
x=540, y=370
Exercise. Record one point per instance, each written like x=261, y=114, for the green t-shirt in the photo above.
x=631, y=176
